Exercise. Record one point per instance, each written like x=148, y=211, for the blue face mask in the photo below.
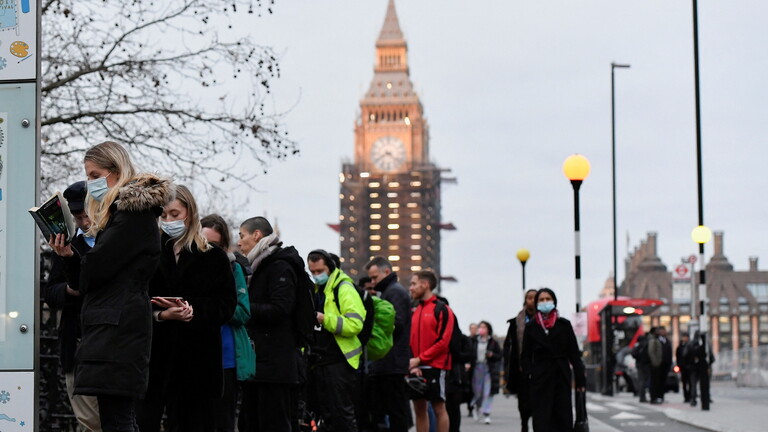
x=98, y=188
x=545, y=307
x=321, y=279
x=174, y=229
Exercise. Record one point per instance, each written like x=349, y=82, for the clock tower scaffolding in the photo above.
x=390, y=194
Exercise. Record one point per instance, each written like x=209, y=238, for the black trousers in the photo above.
x=658, y=381
x=267, y=407
x=186, y=411
x=332, y=390
x=390, y=397
x=524, y=404
x=453, y=406
x=552, y=411
x=685, y=381
x=117, y=414
x=226, y=407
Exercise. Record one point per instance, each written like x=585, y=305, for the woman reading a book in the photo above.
x=193, y=291
x=112, y=361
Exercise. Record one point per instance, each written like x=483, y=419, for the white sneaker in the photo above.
x=474, y=415
x=487, y=419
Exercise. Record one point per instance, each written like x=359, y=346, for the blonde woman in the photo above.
x=112, y=361
x=194, y=293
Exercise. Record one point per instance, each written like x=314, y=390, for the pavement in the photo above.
x=733, y=410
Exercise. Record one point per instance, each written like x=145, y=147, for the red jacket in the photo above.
x=430, y=338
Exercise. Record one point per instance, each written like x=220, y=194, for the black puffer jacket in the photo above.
x=113, y=356
x=272, y=291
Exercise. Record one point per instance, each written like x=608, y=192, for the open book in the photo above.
x=53, y=217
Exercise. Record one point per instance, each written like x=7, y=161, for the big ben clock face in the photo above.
x=388, y=153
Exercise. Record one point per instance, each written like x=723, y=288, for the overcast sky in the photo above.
x=510, y=89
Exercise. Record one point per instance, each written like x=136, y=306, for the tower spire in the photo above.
x=390, y=31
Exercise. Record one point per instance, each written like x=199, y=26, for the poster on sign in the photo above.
x=18, y=40
x=3, y=214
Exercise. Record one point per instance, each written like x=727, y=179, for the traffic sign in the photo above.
x=692, y=259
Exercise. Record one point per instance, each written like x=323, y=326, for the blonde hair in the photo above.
x=194, y=232
x=110, y=156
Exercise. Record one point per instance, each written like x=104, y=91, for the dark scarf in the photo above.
x=387, y=281
x=548, y=322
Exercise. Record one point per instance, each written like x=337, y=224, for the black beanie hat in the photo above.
x=327, y=258
x=546, y=290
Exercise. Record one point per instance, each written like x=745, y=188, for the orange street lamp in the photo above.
x=522, y=256
x=576, y=168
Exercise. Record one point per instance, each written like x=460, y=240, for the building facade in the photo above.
x=738, y=300
x=390, y=193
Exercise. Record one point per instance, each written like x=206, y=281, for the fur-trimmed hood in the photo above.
x=144, y=192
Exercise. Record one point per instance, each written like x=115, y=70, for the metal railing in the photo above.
x=747, y=366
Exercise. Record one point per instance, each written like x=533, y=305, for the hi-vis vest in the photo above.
x=344, y=326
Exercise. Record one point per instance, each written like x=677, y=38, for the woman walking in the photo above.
x=549, y=352
x=112, y=360
x=194, y=293
x=486, y=367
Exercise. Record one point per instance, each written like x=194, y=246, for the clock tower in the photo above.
x=390, y=194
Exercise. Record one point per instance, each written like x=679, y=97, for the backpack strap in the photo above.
x=440, y=307
x=336, y=293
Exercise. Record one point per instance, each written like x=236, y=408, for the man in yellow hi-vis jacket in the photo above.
x=336, y=351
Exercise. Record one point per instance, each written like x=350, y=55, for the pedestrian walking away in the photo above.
x=700, y=359
x=517, y=382
x=193, y=294
x=681, y=358
x=549, y=352
x=112, y=361
x=486, y=368
x=660, y=356
x=430, y=339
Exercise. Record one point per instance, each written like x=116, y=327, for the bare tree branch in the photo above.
x=171, y=80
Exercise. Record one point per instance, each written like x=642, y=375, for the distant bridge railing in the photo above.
x=747, y=366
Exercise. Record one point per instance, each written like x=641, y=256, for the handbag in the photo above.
x=581, y=424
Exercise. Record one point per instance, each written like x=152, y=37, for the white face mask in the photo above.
x=174, y=229
x=98, y=188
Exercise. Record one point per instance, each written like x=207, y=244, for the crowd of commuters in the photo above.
x=653, y=358
x=168, y=325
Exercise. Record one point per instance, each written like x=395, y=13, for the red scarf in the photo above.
x=548, y=322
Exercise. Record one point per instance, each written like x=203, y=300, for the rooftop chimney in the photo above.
x=753, y=264
x=719, y=260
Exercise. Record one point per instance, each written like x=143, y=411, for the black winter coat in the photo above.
x=113, y=356
x=494, y=362
x=396, y=361
x=272, y=291
x=547, y=360
x=187, y=355
x=56, y=297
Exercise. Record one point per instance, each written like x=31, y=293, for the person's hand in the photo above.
x=168, y=303
x=320, y=317
x=467, y=366
x=416, y=372
x=177, y=313
x=414, y=363
x=72, y=292
x=57, y=243
x=581, y=389
x=488, y=354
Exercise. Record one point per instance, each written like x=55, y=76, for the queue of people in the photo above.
x=167, y=325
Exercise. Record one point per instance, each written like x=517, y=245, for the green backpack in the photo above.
x=378, y=327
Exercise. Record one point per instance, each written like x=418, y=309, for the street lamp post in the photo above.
x=576, y=169
x=702, y=234
x=522, y=256
x=614, y=66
